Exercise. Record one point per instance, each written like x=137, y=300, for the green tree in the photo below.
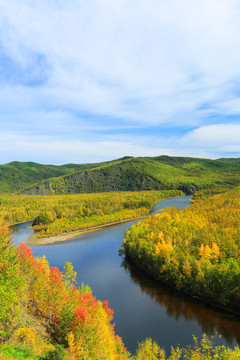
x=69, y=276
x=12, y=286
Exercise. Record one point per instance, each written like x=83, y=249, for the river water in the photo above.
x=142, y=306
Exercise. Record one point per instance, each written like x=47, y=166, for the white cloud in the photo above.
x=104, y=53
x=48, y=149
x=219, y=140
x=214, y=135
x=141, y=62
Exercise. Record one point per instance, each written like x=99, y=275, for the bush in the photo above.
x=56, y=354
x=42, y=219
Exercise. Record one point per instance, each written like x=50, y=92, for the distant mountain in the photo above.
x=142, y=173
x=231, y=160
x=16, y=176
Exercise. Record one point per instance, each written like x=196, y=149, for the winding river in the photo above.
x=143, y=307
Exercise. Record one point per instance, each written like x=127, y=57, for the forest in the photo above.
x=125, y=174
x=138, y=174
x=58, y=214
x=45, y=316
x=195, y=250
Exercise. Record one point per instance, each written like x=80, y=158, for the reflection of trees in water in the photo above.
x=178, y=305
x=18, y=228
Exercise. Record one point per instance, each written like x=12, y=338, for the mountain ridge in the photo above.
x=125, y=174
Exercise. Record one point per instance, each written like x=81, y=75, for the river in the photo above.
x=142, y=306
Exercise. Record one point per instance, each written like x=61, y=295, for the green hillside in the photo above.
x=231, y=160
x=16, y=176
x=136, y=174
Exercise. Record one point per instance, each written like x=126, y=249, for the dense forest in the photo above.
x=16, y=175
x=196, y=249
x=137, y=174
x=44, y=316
x=126, y=174
x=58, y=214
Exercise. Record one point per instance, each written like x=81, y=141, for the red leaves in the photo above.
x=26, y=255
x=25, y=251
x=64, y=308
x=109, y=311
x=86, y=307
x=55, y=275
x=80, y=314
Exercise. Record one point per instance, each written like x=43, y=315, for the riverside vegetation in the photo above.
x=44, y=316
x=58, y=214
x=196, y=250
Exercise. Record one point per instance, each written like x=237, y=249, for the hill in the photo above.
x=16, y=176
x=231, y=160
x=143, y=173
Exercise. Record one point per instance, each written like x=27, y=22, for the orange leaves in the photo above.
x=80, y=315
x=72, y=316
x=86, y=307
x=91, y=328
x=163, y=248
x=205, y=251
x=26, y=254
x=109, y=311
x=26, y=260
x=209, y=253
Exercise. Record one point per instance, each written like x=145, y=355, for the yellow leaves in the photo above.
x=204, y=252
x=186, y=268
x=19, y=208
x=149, y=350
x=76, y=348
x=26, y=335
x=209, y=253
x=163, y=268
x=69, y=275
x=161, y=236
x=163, y=248
x=29, y=337
x=151, y=235
x=215, y=251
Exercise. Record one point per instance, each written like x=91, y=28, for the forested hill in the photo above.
x=126, y=174
x=16, y=176
x=231, y=160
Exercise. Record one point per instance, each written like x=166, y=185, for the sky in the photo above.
x=88, y=81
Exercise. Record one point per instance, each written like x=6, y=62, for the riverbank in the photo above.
x=141, y=303
x=195, y=251
x=38, y=241
x=171, y=285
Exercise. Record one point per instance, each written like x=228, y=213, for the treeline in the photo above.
x=195, y=250
x=44, y=316
x=143, y=173
x=42, y=308
x=64, y=213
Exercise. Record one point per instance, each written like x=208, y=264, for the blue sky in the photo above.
x=86, y=81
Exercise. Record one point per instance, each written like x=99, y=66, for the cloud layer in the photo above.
x=102, y=79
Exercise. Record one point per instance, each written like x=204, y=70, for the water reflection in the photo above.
x=178, y=306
